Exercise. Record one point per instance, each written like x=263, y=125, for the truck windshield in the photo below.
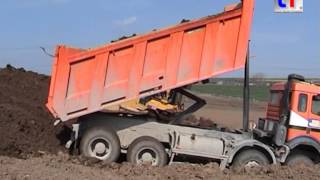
x=275, y=98
x=315, y=106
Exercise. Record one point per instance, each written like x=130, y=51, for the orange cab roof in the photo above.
x=297, y=86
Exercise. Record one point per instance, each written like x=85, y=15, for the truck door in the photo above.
x=314, y=113
x=299, y=114
x=299, y=110
x=305, y=116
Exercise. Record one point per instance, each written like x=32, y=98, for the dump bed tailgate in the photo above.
x=86, y=81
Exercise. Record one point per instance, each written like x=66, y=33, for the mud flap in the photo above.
x=74, y=138
x=173, y=142
x=280, y=135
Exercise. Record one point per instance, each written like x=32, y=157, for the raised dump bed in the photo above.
x=87, y=81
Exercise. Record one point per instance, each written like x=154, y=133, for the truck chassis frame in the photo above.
x=178, y=140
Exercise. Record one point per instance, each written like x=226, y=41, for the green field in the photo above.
x=259, y=93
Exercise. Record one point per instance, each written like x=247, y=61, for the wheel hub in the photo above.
x=147, y=156
x=100, y=148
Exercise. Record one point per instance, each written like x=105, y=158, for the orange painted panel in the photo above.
x=191, y=53
x=155, y=56
x=117, y=74
x=294, y=133
x=80, y=77
x=154, y=67
x=173, y=59
x=226, y=45
x=79, y=85
x=209, y=49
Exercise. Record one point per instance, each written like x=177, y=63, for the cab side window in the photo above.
x=302, y=106
x=275, y=98
x=315, y=105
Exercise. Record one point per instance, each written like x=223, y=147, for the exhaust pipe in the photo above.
x=246, y=94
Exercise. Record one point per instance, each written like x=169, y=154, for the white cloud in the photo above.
x=127, y=21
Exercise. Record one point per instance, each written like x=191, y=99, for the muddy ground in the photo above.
x=65, y=167
x=31, y=148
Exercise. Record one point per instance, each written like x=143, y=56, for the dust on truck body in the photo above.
x=85, y=83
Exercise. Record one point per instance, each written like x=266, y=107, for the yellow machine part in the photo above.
x=162, y=105
x=136, y=107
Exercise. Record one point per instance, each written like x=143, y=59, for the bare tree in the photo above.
x=258, y=78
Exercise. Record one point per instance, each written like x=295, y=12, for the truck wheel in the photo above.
x=147, y=150
x=250, y=158
x=298, y=158
x=101, y=143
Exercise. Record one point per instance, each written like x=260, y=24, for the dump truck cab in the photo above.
x=292, y=121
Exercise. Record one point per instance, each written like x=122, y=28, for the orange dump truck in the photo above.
x=127, y=96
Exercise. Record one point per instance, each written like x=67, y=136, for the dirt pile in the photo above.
x=26, y=127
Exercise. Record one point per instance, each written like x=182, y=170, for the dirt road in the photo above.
x=227, y=111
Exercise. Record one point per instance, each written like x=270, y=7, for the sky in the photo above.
x=280, y=43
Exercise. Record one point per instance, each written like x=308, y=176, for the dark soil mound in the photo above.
x=26, y=127
x=66, y=167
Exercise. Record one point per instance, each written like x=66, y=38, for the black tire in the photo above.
x=149, y=146
x=299, y=158
x=255, y=157
x=101, y=143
